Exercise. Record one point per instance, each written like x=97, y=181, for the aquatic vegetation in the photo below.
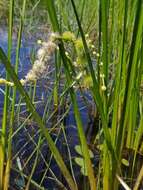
x=89, y=74
x=41, y=64
x=5, y=82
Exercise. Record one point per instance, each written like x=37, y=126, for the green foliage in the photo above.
x=125, y=162
x=80, y=160
x=100, y=49
x=79, y=151
x=68, y=36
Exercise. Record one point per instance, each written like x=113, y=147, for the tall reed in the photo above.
x=54, y=20
x=114, y=64
x=3, y=137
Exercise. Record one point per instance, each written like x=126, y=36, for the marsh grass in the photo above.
x=115, y=31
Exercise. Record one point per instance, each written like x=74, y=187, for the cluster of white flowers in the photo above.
x=41, y=64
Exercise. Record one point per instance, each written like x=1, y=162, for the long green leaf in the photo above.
x=37, y=118
x=88, y=164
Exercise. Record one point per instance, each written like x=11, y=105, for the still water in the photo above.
x=22, y=144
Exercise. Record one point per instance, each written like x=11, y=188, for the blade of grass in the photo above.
x=52, y=12
x=8, y=162
x=115, y=120
x=130, y=81
x=139, y=179
x=37, y=118
x=5, y=108
x=133, y=63
x=139, y=131
x=95, y=89
x=104, y=29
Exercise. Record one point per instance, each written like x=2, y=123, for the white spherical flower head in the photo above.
x=31, y=76
x=41, y=53
x=41, y=70
x=44, y=54
x=51, y=47
x=36, y=66
x=23, y=82
x=67, y=54
x=75, y=64
x=36, y=62
x=44, y=44
x=97, y=54
x=87, y=35
x=39, y=41
x=103, y=88
x=101, y=64
x=102, y=76
x=54, y=36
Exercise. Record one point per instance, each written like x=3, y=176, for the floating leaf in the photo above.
x=125, y=162
x=79, y=151
x=80, y=161
x=84, y=171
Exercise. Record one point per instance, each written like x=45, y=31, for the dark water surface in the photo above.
x=22, y=144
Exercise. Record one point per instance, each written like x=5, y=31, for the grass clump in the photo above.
x=95, y=49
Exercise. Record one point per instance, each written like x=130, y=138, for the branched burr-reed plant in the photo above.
x=97, y=48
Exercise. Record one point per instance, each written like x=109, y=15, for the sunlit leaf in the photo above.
x=125, y=162
x=79, y=151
